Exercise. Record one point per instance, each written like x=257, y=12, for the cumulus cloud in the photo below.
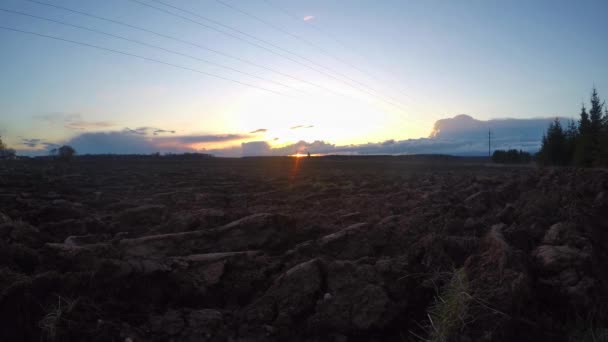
x=256, y=148
x=461, y=135
x=112, y=142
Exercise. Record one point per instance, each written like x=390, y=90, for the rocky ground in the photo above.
x=319, y=249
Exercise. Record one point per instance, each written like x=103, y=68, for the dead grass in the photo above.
x=49, y=324
x=450, y=312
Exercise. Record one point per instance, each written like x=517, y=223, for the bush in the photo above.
x=65, y=152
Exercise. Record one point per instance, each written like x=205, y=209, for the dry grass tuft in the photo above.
x=449, y=314
x=51, y=321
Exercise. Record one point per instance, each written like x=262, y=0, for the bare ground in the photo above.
x=310, y=249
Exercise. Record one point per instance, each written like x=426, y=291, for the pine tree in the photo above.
x=582, y=153
x=604, y=139
x=595, y=127
x=571, y=139
x=554, y=149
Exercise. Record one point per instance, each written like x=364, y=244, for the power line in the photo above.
x=198, y=45
x=188, y=43
x=142, y=57
x=325, y=52
x=298, y=37
x=153, y=46
x=255, y=44
x=335, y=39
x=148, y=45
x=181, y=41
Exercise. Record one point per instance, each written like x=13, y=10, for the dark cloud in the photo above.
x=33, y=143
x=161, y=131
x=139, y=141
x=39, y=144
x=466, y=127
x=112, y=143
x=259, y=130
x=147, y=131
x=256, y=148
x=301, y=126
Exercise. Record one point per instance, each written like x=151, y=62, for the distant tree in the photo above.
x=511, y=157
x=5, y=152
x=554, y=148
x=65, y=152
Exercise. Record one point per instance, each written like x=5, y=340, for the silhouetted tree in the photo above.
x=596, y=126
x=572, y=137
x=511, y=157
x=582, y=153
x=553, y=150
x=5, y=152
x=66, y=152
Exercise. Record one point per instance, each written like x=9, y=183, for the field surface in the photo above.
x=301, y=249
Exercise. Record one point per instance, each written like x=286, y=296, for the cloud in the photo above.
x=112, y=143
x=309, y=18
x=37, y=144
x=259, y=130
x=255, y=148
x=33, y=143
x=147, y=131
x=161, y=131
x=140, y=141
x=84, y=125
x=301, y=126
x=461, y=135
x=73, y=121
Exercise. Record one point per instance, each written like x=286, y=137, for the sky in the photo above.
x=271, y=76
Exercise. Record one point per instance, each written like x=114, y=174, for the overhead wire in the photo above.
x=141, y=57
x=147, y=45
x=139, y=28
x=204, y=47
x=390, y=102
x=340, y=42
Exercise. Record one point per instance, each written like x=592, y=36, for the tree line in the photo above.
x=511, y=157
x=579, y=143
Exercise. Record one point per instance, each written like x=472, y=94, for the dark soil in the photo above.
x=309, y=249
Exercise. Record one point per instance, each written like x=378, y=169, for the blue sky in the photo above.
x=436, y=59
